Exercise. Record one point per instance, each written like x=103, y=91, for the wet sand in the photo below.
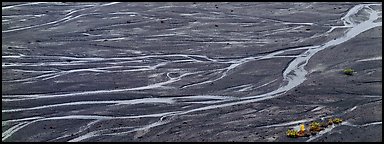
x=190, y=71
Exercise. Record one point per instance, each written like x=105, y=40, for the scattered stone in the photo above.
x=313, y=133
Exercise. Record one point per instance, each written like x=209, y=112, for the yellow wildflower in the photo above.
x=302, y=127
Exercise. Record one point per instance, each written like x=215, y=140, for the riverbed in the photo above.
x=190, y=71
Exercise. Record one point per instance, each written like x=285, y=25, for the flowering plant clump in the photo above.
x=298, y=133
x=302, y=132
x=292, y=133
x=314, y=127
x=302, y=128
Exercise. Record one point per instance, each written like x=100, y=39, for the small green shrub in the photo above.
x=323, y=124
x=348, y=71
x=337, y=120
x=292, y=133
x=314, y=126
x=330, y=122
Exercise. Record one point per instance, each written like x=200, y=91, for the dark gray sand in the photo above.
x=190, y=71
